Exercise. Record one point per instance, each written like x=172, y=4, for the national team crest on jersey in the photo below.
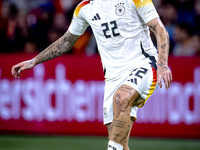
x=120, y=9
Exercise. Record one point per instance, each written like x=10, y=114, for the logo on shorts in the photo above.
x=105, y=113
x=120, y=9
x=111, y=147
x=137, y=74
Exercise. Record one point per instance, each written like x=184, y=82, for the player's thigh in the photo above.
x=125, y=96
x=110, y=88
x=144, y=80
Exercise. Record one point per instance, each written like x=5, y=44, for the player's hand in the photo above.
x=17, y=69
x=165, y=74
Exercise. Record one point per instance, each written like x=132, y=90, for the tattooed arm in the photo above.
x=162, y=37
x=56, y=49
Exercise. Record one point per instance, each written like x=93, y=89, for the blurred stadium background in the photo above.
x=38, y=110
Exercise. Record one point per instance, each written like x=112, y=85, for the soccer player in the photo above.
x=133, y=67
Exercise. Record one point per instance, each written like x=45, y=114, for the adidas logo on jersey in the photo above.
x=96, y=17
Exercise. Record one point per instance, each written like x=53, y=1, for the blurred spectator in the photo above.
x=91, y=49
x=196, y=44
x=60, y=22
x=26, y=5
x=185, y=12
x=158, y=3
x=21, y=31
x=197, y=15
x=44, y=19
x=82, y=43
x=54, y=34
x=32, y=25
x=30, y=47
x=67, y=5
x=183, y=36
x=8, y=21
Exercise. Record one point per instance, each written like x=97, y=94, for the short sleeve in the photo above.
x=146, y=10
x=79, y=24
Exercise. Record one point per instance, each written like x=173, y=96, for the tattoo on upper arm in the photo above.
x=59, y=47
x=153, y=27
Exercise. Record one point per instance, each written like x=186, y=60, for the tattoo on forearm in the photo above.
x=29, y=64
x=162, y=44
x=59, y=47
x=163, y=49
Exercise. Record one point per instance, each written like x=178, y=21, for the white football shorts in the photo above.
x=142, y=78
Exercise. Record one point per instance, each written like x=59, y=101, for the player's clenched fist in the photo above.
x=17, y=69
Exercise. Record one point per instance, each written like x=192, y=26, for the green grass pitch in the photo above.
x=8, y=142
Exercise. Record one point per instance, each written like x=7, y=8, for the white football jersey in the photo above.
x=120, y=29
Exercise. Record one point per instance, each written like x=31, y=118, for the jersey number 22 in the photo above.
x=114, y=27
